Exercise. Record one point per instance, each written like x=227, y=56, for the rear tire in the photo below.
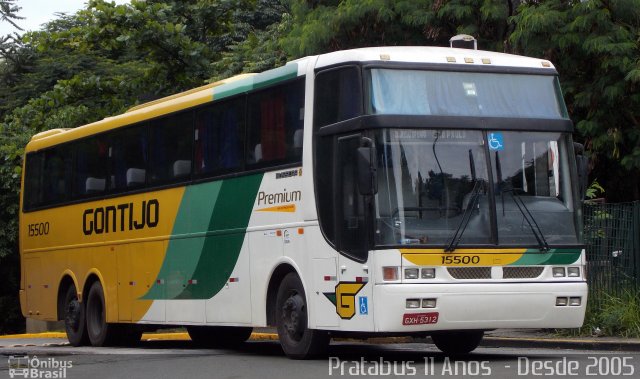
x=457, y=342
x=74, y=318
x=297, y=340
x=219, y=336
x=100, y=332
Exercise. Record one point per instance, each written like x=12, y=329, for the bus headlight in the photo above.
x=413, y=303
x=411, y=273
x=573, y=272
x=428, y=273
x=558, y=272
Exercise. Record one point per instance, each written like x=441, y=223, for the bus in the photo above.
x=419, y=191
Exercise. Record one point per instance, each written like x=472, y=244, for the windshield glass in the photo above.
x=417, y=92
x=433, y=184
x=532, y=170
x=426, y=181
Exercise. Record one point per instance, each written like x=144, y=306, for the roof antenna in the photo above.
x=463, y=41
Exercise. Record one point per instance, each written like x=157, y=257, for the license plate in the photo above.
x=420, y=318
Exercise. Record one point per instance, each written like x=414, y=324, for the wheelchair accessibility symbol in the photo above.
x=496, y=141
x=364, y=307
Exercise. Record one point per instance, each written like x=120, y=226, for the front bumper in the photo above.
x=481, y=305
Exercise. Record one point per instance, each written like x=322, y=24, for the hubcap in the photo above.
x=293, y=316
x=72, y=318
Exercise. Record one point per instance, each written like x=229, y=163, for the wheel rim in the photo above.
x=72, y=319
x=294, y=316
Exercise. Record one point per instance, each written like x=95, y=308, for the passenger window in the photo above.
x=57, y=175
x=275, y=122
x=128, y=158
x=219, y=137
x=91, y=167
x=171, y=144
x=33, y=180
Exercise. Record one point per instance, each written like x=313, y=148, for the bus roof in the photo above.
x=245, y=82
x=435, y=55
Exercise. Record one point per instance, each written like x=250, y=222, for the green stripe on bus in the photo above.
x=220, y=253
x=257, y=81
x=552, y=257
x=183, y=254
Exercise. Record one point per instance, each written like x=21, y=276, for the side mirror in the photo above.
x=367, y=168
x=582, y=166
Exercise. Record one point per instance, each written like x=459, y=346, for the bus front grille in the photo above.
x=518, y=272
x=470, y=272
x=524, y=272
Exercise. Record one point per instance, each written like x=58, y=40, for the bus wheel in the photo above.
x=219, y=336
x=297, y=340
x=100, y=333
x=457, y=342
x=74, y=318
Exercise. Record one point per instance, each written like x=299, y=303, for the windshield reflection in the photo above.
x=433, y=188
x=426, y=180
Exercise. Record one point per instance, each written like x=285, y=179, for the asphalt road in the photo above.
x=265, y=359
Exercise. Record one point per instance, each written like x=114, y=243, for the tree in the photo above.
x=594, y=45
x=99, y=62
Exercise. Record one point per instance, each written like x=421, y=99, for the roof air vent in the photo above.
x=463, y=41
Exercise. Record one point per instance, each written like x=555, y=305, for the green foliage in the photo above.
x=333, y=25
x=595, y=47
x=616, y=316
x=594, y=190
x=9, y=12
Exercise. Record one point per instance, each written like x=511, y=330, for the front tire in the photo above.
x=74, y=318
x=457, y=342
x=100, y=332
x=297, y=340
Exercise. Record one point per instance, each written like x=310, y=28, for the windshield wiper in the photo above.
x=466, y=216
x=522, y=207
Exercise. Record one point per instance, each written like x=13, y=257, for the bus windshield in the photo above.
x=444, y=93
x=434, y=183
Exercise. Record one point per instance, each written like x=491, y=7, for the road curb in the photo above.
x=561, y=343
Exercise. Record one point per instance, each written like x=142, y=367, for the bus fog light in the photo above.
x=413, y=303
x=573, y=272
x=390, y=273
x=558, y=272
x=428, y=303
x=561, y=301
x=428, y=273
x=411, y=273
x=575, y=301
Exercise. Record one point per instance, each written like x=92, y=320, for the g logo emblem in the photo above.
x=345, y=298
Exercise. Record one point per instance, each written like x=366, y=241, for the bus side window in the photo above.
x=171, y=144
x=33, y=179
x=276, y=119
x=128, y=153
x=57, y=175
x=219, y=137
x=338, y=96
x=91, y=167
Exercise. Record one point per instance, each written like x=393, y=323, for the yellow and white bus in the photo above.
x=375, y=191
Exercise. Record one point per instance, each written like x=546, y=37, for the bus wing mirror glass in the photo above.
x=367, y=174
